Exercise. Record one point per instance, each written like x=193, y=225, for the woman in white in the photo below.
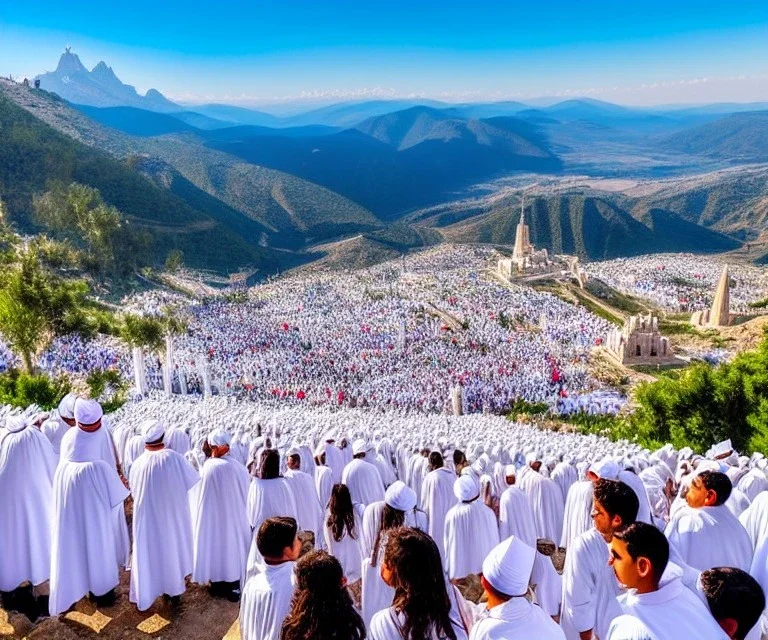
x=424, y=606
x=343, y=531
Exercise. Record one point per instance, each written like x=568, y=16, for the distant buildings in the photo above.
x=640, y=342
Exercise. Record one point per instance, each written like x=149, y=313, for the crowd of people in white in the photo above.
x=403, y=511
x=678, y=282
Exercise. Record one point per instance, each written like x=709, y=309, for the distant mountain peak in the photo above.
x=70, y=63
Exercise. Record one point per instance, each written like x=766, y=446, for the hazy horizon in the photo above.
x=303, y=54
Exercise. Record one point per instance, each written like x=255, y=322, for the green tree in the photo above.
x=175, y=261
x=143, y=331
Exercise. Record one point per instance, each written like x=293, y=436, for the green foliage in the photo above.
x=521, y=406
x=108, y=387
x=760, y=304
x=21, y=389
x=175, y=261
x=143, y=331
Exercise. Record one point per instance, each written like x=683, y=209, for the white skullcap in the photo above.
x=606, y=468
x=358, y=446
x=466, y=488
x=14, y=424
x=532, y=457
x=331, y=435
x=87, y=411
x=508, y=566
x=293, y=451
x=152, y=430
x=219, y=438
x=400, y=496
x=510, y=470
x=67, y=406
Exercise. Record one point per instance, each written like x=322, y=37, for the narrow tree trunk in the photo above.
x=26, y=359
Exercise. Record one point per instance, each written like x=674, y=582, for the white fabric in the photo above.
x=54, y=430
x=565, y=475
x=710, y=537
x=577, y=517
x=437, y=498
x=400, y=496
x=309, y=513
x=634, y=482
x=547, y=502
x=508, y=566
x=162, y=526
x=516, y=619
x=470, y=534
x=84, y=548
x=270, y=498
x=347, y=550
x=220, y=528
x=364, y=482
x=87, y=411
x=371, y=522
x=152, y=430
x=266, y=601
x=323, y=484
x=178, y=440
x=755, y=522
x=27, y=467
x=67, y=406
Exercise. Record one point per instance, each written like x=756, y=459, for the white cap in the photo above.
x=67, y=406
x=400, y=496
x=14, y=424
x=510, y=470
x=606, y=468
x=87, y=411
x=293, y=451
x=466, y=488
x=219, y=438
x=508, y=566
x=358, y=446
x=152, y=430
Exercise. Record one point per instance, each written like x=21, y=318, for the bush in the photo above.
x=20, y=389
x=108, y=387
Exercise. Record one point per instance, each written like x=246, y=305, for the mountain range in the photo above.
x=388, y=176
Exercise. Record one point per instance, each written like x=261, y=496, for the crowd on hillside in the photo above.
x=350, y=524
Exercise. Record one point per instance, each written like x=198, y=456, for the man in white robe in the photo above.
x=334, y=457
x=86, y=493
x=577, y=517
x=546, y=500
x=267, y=595
x=704, y=532
x=221, y=531
x=162, y=525
x=589, y=584
x=471, y=531
x=639, y=556
x=437, y=498
x=27, y=467
x=505, y=578
x=362, y=478
x=564, y=474
x=323, y=477
x=54, y=429
x=755, y=521
x=308, y=510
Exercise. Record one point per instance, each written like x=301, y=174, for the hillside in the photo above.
x=136, y=122
x=739, y=137
x=33, y=155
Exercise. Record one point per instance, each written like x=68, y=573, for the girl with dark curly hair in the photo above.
x=321, y=608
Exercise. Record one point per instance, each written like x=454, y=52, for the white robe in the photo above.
x=27, y=467
x=334, y=460
x=710, y=537
x=589, y=588
x=364, y=482
x=84, y=550
x=323, y=485
x=577, y=518
x=270, y=498
x=547, y=502
x=162, y=526
x=565, y=476
x=755, y=521
x=133, y=449
x=437, y=498
x=347, y=550
x=636, y=484
x=308, y=510
x=516, y=619
x=266, y=602
x=371, y=521
x=55, y=431
x=178, y=440
x=471, y=532
x=220, y=529
x=752, y=484
x=671, y=612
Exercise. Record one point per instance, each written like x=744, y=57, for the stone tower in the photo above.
x=720, y=313
x=523, y=247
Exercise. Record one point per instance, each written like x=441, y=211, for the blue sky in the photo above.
x=270, y=52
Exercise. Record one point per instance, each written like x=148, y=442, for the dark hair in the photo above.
x=733, y=593
x=342, y=513
x=295, y=458
x=420, y=592
x=206, y=448
x=618, y=499
x=321, y=607
x=719, y=483
x=391, y=518
x=269, y=464
x=435, y=460
x=645, y=540
x=274, y=535
x=458, y=457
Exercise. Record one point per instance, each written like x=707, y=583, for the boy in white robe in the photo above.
x=27, y=467
x=267, y=596
x=505, y=578
x=86, y=494
x=589, y=584
x=221, y=531
x=471, y=531
x=639, y=555
x=704, y=532
x=162, y=526
x=437, y=498
x=362, y=477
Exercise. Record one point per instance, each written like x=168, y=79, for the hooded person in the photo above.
x=546, y=499
x=221, y=552
x=755, y=522
x=88, y=497
x=471, y=530
x=437, y=498
x=162, y=525
x=54, y=429
x=505, y=579
x=334, y=457
x=362, y=477
x=308, y=510
x=323, y=477
x=27, y=501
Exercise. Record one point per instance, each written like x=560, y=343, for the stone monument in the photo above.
x=719, y=314
x=525, y=259
x=640, y=342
